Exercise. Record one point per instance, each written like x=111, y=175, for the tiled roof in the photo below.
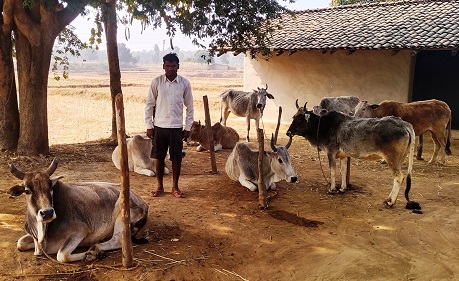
x=422, y=24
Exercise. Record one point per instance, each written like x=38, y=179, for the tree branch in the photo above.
x=25, y=24
x=69, y=13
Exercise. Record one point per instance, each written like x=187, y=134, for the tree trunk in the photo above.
x=33, y=67
x=9, y=114
x=109, y=16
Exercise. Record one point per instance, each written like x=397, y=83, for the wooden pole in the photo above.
x=126, y=244
x=262, y=193
x=211, y=136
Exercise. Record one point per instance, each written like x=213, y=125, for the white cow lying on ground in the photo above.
x=139, y=161
x=63, y=216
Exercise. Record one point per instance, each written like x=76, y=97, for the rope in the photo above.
x=318, y=152
x=90, y=266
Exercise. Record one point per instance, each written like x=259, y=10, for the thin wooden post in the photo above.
x=262, y=193
x=211, y=136
x=126, y=244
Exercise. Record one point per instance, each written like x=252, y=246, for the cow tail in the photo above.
x=448, y=138
x=411, y=147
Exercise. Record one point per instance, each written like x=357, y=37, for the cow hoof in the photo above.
x=333, y=191
x=262, y=207
x=388, y=203
x=419, y=158
x=90, y=256
x=413, y=205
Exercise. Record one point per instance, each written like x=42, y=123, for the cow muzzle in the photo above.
x=46, y=215
x=293, y=179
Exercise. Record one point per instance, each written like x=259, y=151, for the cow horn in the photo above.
x=296, y=103
x=278, y=124
x=18, y=174
x=266, y=86
x=289, y=141
x=273, y=146
x=305, y=106
x=52, y=167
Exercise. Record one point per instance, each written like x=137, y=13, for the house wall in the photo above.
x=310, y=75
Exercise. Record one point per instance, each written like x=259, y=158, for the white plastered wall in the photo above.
x=310, y=75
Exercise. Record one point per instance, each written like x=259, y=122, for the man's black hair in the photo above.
x=171, y=57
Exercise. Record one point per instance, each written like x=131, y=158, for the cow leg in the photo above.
x=71, y=243
x=248, y=184
x=419, y=148
x=143, y=171
x=248, y=128
x=200, y=148
x=344, y=169
x=226, y=113
x=398, y=178
x=26, y=242
x=439, y=140
x=332, y=166
x=113, y=244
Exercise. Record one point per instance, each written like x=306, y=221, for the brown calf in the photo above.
x=428, y=115
x=223, y=136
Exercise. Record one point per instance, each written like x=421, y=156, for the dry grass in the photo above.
x=93, y=110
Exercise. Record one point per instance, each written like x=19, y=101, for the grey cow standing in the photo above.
x=244, y=104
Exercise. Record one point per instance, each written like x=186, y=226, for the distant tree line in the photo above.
x=155, y=55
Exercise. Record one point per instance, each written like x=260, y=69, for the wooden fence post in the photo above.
x=211, y=136
x=126, y=244
x=262, y=193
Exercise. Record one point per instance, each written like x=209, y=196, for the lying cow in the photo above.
x=242, y=166
x=341, y=136
x=244, y=104
x=343, y=104
x=428, y=115
x=139, y=160
x=63, y=216
x=223, y=136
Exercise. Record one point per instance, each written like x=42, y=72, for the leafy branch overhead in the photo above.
x=239, y=26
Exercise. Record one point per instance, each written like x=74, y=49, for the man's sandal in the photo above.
x=157, y=193
x=178, y=194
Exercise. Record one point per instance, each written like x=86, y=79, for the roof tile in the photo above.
x=415, y=24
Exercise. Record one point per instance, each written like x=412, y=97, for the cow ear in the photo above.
x=16, y=190
x=269, y=96
x=374, y=106
x=55, y=179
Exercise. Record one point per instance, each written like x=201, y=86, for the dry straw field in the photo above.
x=217, y=232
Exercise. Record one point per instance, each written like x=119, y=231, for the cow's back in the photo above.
x=344, y=104
x=138, y=151
x=226, y=136
x=423, y=115
x=239, y=102
x=241, y=160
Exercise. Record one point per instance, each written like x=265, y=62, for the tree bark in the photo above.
x=109, y=17
x=9, y=114
x=35, y=31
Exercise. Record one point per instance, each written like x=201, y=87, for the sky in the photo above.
x=146, y=40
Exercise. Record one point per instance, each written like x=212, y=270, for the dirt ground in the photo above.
x=218, y=232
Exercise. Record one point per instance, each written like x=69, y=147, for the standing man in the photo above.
x=164, y=120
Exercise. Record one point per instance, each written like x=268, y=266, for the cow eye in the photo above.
x=280, y=161
x=27, y=191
